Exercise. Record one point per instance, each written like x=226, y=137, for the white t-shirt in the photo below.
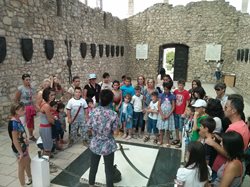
x=218, y=67
x=190, y=176
x=73, y=105
x=124, y=109
x=153, y=106
x=106, y=86
x=137, y=103
x=218, y=127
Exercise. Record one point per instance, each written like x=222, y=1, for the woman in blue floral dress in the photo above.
x=103, y=121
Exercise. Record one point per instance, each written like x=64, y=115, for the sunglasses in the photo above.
x=217, y=89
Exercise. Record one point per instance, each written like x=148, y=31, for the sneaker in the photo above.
x=52, y=169
x=178, y=145
x=29, y=181
x=32, y=138
x=128, y=137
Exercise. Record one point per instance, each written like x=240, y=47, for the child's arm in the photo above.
x=69, y=116
x=173, y=107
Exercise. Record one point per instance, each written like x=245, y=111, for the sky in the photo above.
x=119, y=8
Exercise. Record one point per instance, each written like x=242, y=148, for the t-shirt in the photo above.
x=218, y=67
x=127, y=90
x=218, y=127
x=211, y=154
x=153, y=106
x=26, y=94
x=195, y=134
x=73, y=105
x=190, y=176
x=93, y=91
x=137, y=103
x=241, y=128
x=17, y=126
x=106, y=86
x=181, y=101
x=168, y=96
x=71, y=90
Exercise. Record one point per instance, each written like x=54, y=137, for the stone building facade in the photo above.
x=194, y=25
x=45, y=19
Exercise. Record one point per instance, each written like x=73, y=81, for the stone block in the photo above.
x=7, y=20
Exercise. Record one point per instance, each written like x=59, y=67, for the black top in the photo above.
x=93, y=91
x=211, y=154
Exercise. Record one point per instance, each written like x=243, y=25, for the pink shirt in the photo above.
x=241, y=128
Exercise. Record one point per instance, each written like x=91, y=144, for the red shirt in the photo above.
x=241, y=128
x=181, y=101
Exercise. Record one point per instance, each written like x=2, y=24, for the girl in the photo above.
x=232, y=172
x=45, y=84
x=166, y=106
x=126, y=116
x=141, y=82
x=196, y=172
x=159, y=80
x=19, y=140
x=46, y=120
x=117, y=95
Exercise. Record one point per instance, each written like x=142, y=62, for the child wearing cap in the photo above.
x=199, y=114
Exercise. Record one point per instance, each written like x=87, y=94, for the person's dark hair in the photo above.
x=25, y=76
x=56, y=86
x=155, y=94
x=129, y=79
x=237, y=102
x=60, y=105
x=167, y=85
x=181, y=82
x=53, y=103
x=197, y=156
x=78, y=88
x=200, y=91
x=220, y=86
x=46, y=93
x=106, y=97
x=89, y=100
x=105, y=75
x=209, y=123
x=168, y=76
x=137, y=88
x=116, y=81
x=16, y=106
x=233, y=145
x=214, y=108
x=197, y=81
x=75, y=77
x=124, y=77
x=162, y=72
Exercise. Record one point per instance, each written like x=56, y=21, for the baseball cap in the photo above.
x=92, y=76
x=200, y=103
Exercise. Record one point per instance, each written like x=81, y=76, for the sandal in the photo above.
x=178, y=145
x=146, y=139
x=175, y=142
x=155, y=141
x=159, y=143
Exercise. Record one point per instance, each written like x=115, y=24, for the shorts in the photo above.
x=152, y=126
x=179, y=122
x=123, y=117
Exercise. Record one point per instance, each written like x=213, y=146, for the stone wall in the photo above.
x=195, y=25
x=37, y=19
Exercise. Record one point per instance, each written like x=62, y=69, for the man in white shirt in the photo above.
x=218, y=70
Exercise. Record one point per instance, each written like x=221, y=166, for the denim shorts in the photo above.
x=152, y=126
x=123, y=117
x=179, y=121
x=137, y=119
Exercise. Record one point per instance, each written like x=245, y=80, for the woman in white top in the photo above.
x=196, y=172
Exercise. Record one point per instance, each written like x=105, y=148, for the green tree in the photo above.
x=170, y=57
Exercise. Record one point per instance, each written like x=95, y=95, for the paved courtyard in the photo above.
x=8, y=165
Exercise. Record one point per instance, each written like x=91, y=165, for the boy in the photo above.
x=127, y=88
x=137, y=102
x=77, y=115
x=106, y=83
x=152, y=111
x=182, y=100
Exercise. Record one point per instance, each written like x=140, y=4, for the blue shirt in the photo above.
x=127, y=90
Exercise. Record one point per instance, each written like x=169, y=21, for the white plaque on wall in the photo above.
x=142, y=51
x=213, y=52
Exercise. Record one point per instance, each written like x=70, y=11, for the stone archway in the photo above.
x=180, y=60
